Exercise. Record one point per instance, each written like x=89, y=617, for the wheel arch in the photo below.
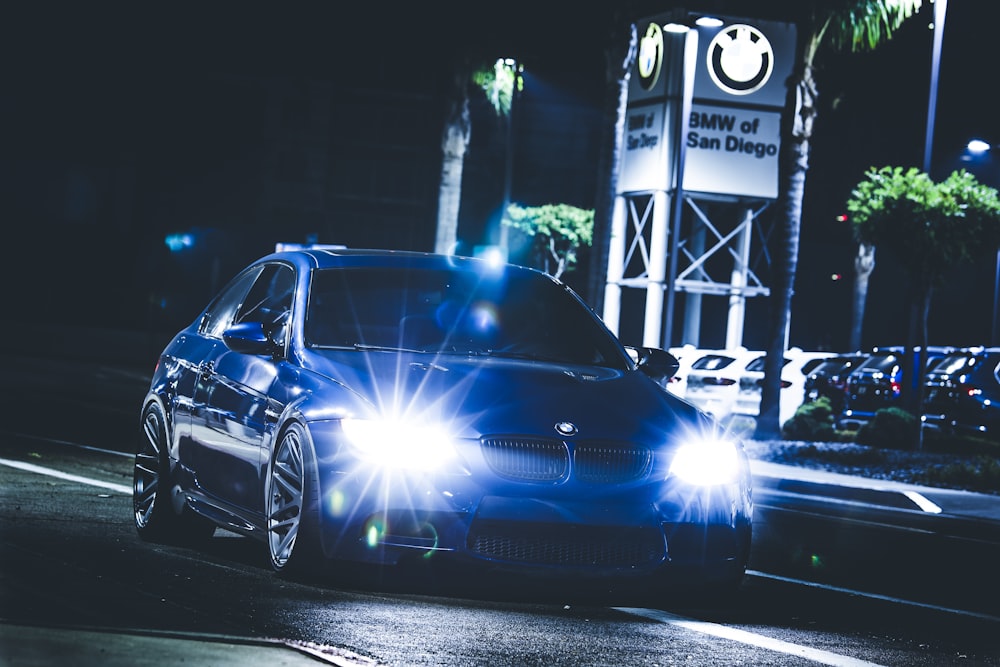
x=153, y=398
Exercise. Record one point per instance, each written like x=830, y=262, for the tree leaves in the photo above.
x=557, y=230
x=931, y=227
x=863, y=26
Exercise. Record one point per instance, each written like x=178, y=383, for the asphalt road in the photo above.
x=833, y=581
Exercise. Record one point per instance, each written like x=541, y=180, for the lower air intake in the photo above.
x=569, y=545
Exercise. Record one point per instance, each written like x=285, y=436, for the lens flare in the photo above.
x=707, y=463
x=399, y=444
x=337, y=503
x=374, y=532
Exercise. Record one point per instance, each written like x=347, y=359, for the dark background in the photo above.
x=244, y=124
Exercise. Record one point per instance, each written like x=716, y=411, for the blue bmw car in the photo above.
x=371, y=406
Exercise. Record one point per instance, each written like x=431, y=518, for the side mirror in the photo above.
x=248, y=338
x=658, y=364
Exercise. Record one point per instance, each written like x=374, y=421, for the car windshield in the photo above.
x=883, y=363
x=712, y=362
x=757, y=365
x=953, y=363
x=512, y=314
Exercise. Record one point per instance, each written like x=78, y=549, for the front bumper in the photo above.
x=634, y=532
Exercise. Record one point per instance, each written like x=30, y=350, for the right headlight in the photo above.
x=708, y=462
x=390, y=443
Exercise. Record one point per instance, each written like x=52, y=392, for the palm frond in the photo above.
x=862, y=25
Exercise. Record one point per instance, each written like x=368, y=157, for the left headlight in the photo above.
x=398, y=444
x=707, y=462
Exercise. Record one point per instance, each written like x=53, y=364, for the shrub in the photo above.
x=960, y=443
x=849, y=455
x=812, y=422
x=890, y=428
x=980, y=474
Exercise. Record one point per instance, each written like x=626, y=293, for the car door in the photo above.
x=190, y=354
x=232, y=410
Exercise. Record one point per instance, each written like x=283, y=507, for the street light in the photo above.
x=978, y=147
x=940, y=10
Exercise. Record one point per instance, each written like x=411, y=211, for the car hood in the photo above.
x=491, y=395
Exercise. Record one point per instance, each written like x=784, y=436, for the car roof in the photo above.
x=325, y=257
x=901, y=349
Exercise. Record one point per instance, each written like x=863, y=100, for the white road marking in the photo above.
x=69, y=443
x=922, y=502
x=31, y=467
x=725, y=632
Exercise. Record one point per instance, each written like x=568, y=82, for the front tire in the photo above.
x=155, y=518
x=293, y=505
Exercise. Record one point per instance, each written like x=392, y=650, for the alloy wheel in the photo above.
x=286, y=496
x=146, y=474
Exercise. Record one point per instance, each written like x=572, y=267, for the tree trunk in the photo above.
x=864, y=264
x=921, y=369
x=454, y=142
x=619, y=58
x=795, y=164
x=910, y=366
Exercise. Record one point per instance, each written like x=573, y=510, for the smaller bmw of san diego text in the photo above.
x=372, y=406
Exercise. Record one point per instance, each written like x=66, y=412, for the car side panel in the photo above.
x=230, y=417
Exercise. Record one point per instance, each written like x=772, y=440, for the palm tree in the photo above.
x=454, y=142
x=619, y=57
x=864, y=264
x=852, y=25
x=498, y=81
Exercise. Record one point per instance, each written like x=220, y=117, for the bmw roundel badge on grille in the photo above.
x=566, y=428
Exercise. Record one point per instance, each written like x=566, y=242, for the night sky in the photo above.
x=123, y=122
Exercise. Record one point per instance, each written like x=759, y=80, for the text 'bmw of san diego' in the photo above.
x=371, y=406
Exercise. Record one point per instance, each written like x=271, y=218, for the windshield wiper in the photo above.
x=528, y=356
x=448, y=349
x=365, y=347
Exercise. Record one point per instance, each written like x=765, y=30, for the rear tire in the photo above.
x=155, y=518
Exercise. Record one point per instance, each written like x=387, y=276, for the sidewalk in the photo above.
x=26, y=646
x=956, y=512
x=809, y=481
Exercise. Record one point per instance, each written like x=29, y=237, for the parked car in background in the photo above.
x=713, y=382
x=878, y=383
x=797, y=365
x=379, y=406
x=962, y=392
x=829, y=379
x=685, y=355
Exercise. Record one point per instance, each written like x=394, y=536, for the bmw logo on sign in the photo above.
x=740, y=59
x=650, y=56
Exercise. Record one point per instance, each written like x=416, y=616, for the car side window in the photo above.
x=219, y=314
x=270, y=301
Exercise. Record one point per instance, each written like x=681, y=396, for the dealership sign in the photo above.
x=732, y=151
x=731, y=136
